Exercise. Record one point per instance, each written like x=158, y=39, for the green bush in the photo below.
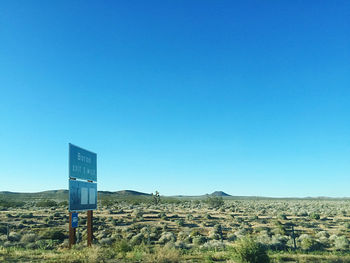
x=11, y=203
x=215, y=201
x=28, y=238
x=29, y=215
x=180, y=222
x=123, y=246
x=199, y=240
x=247, y=250
x=315, y=216
x=308, y=243
x=14, y=237
x=3, y=230
x=54, y=234
x=46, y=203
x=63, y=203
x=341, y=243
x=46, y=244
x=163, y=216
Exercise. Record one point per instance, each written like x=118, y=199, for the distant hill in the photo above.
x=62, y=195
x=219, y=193
x=130, y=192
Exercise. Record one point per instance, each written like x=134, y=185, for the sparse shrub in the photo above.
x=181, y=245
x=7, y=244
x=29, y=215
x=208, y=216
x=14, y=237
x=28, y=238
x=341, y=243
x=46, y=203
x=278, y=242
x=31, y=245
x=183, y=235
x=3, y=229
x=54, y=234
x=46, y=244
x=315, y=216
x=107, y=241
x=213, y=245
x=123, y=246
x=308, y=243
x=167, y=237
x=241, y=233
x=63, y=203
x=264, y=239
x=199, y=240
x=180, y=222
x=231, y=237
x=215, y=201
x=56, y=215
x=322, y=234
x=250, y=251
x=189, y=217
x=138, y=214
x=282, y=217
x=216, y=232
x=163, y=216
x=137, y=239
x=11, y=203
x=164, y=254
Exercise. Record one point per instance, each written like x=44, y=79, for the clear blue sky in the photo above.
x=183, y=97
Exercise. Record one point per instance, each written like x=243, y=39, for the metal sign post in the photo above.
x=82, y=189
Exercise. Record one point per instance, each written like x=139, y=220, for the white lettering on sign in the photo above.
x=83, y=158
x=76, y=168
x=85, y=170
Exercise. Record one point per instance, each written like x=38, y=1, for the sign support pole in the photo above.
x=72, y=232
x=89, y=227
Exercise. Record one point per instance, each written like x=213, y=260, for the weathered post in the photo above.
x=89, y=227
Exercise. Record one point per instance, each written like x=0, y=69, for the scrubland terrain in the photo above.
x=207, y=229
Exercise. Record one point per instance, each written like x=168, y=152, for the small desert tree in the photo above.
x=248, y=250
x=215, y=201
x=156, y=198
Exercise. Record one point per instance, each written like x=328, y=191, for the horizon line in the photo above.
x=186, y=195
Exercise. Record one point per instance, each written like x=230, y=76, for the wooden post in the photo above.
x=89, y=227
x=71, y=231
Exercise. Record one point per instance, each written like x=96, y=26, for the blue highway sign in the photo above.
x=82, y=196
x=82, y=164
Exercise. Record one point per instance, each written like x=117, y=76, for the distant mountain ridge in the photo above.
x=62, y=194
x=219, y=193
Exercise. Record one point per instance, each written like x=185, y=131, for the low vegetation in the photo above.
x=156, y=229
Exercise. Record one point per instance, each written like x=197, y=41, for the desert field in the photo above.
x=131, y=228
